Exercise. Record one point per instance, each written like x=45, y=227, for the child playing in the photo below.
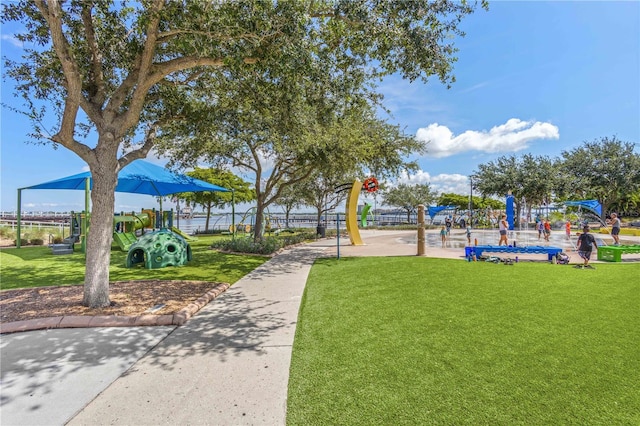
x=443, y=236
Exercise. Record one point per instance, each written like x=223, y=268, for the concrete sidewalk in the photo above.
x=228, y=365
x=49, y=375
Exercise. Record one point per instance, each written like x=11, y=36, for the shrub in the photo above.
x=267, y=245
x=37, y=241
x=57, y=240
x=288, y=240
x=7, y=232
x=23, y=242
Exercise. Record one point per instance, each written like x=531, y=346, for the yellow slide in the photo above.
x=182, y=234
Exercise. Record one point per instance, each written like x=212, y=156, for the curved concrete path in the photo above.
x=228, y=365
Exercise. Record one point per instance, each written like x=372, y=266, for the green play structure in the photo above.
x=125, y=226
x=363, y=216
x=159, y=249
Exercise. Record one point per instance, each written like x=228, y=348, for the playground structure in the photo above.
x=159, y=249
x=363, y=215
x=477, y=251
x=614, y=253
x=138, y=177
x=125, y=229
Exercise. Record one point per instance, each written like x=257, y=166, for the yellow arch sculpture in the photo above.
x=351, y=213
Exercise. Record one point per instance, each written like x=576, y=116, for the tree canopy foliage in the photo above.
x=122, y=70
x=530, y=179
x=462, y=202
x=409, y=197
x=607, y=170
x=241, y=191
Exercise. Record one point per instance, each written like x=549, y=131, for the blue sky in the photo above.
x=532, y=77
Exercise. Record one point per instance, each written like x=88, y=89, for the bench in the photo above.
x=614, y=253
x=478, y=250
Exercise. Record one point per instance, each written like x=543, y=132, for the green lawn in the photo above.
x=388, y=341
x=35, y=266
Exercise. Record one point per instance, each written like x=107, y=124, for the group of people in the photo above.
x=544, y=229
x=446, y=231
x=586, y=240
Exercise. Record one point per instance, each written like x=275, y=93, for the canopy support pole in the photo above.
x=233, y=213
x=85, y=226
x=19, y=218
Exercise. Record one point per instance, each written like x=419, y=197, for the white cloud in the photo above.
x=514, y=135
x=12, y=39
x=451, y=183
x=474, y=87
x=447, y=183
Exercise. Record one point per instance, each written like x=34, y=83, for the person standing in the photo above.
x=503, y=226
x=469, y=235
x=615, y=228
x=443, y=236
x=547, y=229
x=540, y=226
x=586, y=242
x=567, y=228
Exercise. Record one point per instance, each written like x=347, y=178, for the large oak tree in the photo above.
x=531, y=180
x=240, y=191
x=605, y=169
x=409, y=197
x=115, y=69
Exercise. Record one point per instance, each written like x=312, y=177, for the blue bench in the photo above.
x=478, y=250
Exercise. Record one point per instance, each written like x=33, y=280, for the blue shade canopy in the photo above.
x=434, y=210
x=139, y=177
x=592, y=205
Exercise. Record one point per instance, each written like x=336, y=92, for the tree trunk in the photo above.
x=257, y=227
x=206, y=222
x=319, y=215
x=408, y=216
x=100, y=234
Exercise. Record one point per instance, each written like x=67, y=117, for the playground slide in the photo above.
x=182, y=234
x=124, y=239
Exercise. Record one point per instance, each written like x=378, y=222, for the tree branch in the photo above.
x=141, y=152
x=52, y=13
x=97, y=92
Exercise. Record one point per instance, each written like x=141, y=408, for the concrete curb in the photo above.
x=85, y=321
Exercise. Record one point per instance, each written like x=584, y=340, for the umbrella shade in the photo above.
x=592, y=205
x=139, y=177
